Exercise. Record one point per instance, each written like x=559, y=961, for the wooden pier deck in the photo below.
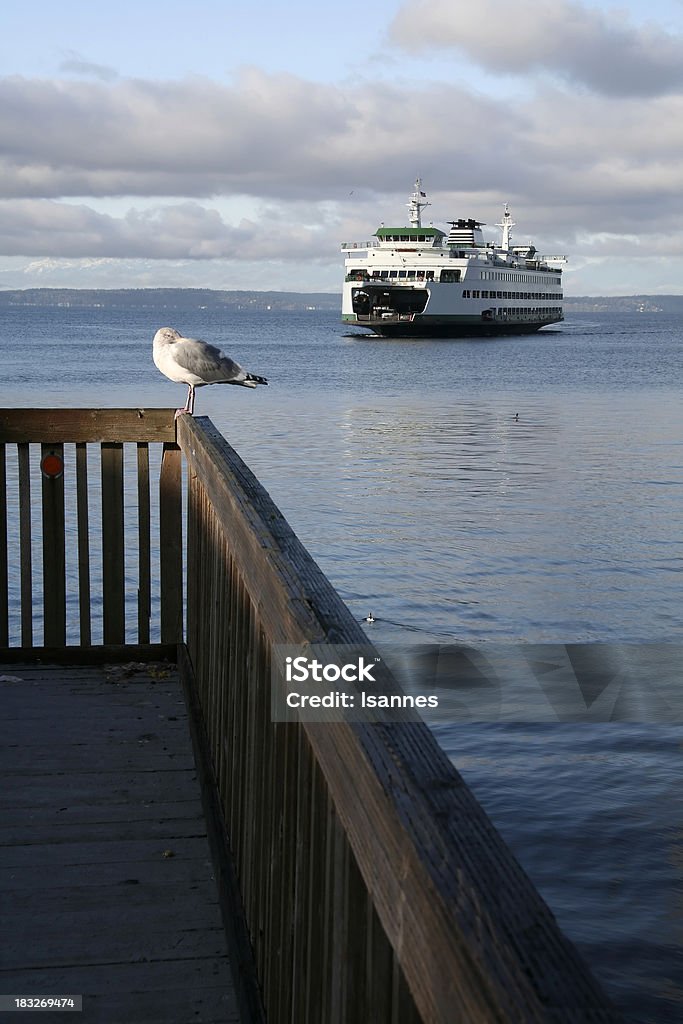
x=344, y=870
x=109, y=890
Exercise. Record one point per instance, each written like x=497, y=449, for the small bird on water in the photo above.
x=196, y=363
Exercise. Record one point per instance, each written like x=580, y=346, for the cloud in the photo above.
x=169, y=150
x=267, y=135
x=74, y=63
x=597, y=49
x=190, y=231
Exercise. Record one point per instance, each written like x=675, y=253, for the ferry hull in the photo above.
x=455, y=327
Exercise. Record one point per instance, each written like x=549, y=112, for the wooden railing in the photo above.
x=374, y=886
x=81, y=522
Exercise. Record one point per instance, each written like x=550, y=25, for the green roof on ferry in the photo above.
x=409, y=232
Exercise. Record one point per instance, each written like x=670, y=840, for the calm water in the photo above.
x=523, y=489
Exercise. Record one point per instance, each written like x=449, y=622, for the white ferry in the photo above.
x=420, y=281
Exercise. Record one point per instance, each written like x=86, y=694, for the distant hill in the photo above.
x=168, y=298
x=207, y=298
x=623, y=304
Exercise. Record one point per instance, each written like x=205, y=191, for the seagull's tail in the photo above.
x=251, y=380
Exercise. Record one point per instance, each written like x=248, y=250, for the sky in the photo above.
x=225, y=145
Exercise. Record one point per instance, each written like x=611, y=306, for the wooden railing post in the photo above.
x=144, y=557
x=113, y=575
x=25, y=554
x=54, y=578
x=171, y=544
x=4, y=581
x=83, y=543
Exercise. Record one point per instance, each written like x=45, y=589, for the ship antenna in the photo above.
x=507, y=224
x=416, y=205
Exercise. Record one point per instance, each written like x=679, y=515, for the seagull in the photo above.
x=196, y=363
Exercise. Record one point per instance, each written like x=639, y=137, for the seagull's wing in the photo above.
x=207, y=362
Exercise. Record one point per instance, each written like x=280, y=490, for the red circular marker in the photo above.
x=52, y=465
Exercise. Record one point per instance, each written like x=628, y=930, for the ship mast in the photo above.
x=416, y=205
x=507, y=224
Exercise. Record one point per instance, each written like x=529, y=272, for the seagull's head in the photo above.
x=166, y=335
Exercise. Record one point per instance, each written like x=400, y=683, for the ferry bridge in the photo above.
x=169, y=852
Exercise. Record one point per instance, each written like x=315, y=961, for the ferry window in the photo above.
x=384, y=274
x=403, y=273
x=411, y=274
x=405, y=238
x=475, y=294
x=430, y=275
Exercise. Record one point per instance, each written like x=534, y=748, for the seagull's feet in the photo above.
x=181, y=412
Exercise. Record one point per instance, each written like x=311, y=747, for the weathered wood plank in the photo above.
x=171, y=553
x=108, y=897
x=45, y=834
x=127, y=877
x=379, y=967
x=50, y=949
x=32, y=791
x=4, y=593
x=112, y=720
x=161, y=702
x=25, y=553
x=301, y=937
x=113, y=568
x=73, y=758
x=89, y=425
x=96, y=813
x=248, y=991
x=54, y=566
x=144, y=557
x=83, y=544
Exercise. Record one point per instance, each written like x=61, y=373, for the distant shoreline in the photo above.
x=257, y=301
